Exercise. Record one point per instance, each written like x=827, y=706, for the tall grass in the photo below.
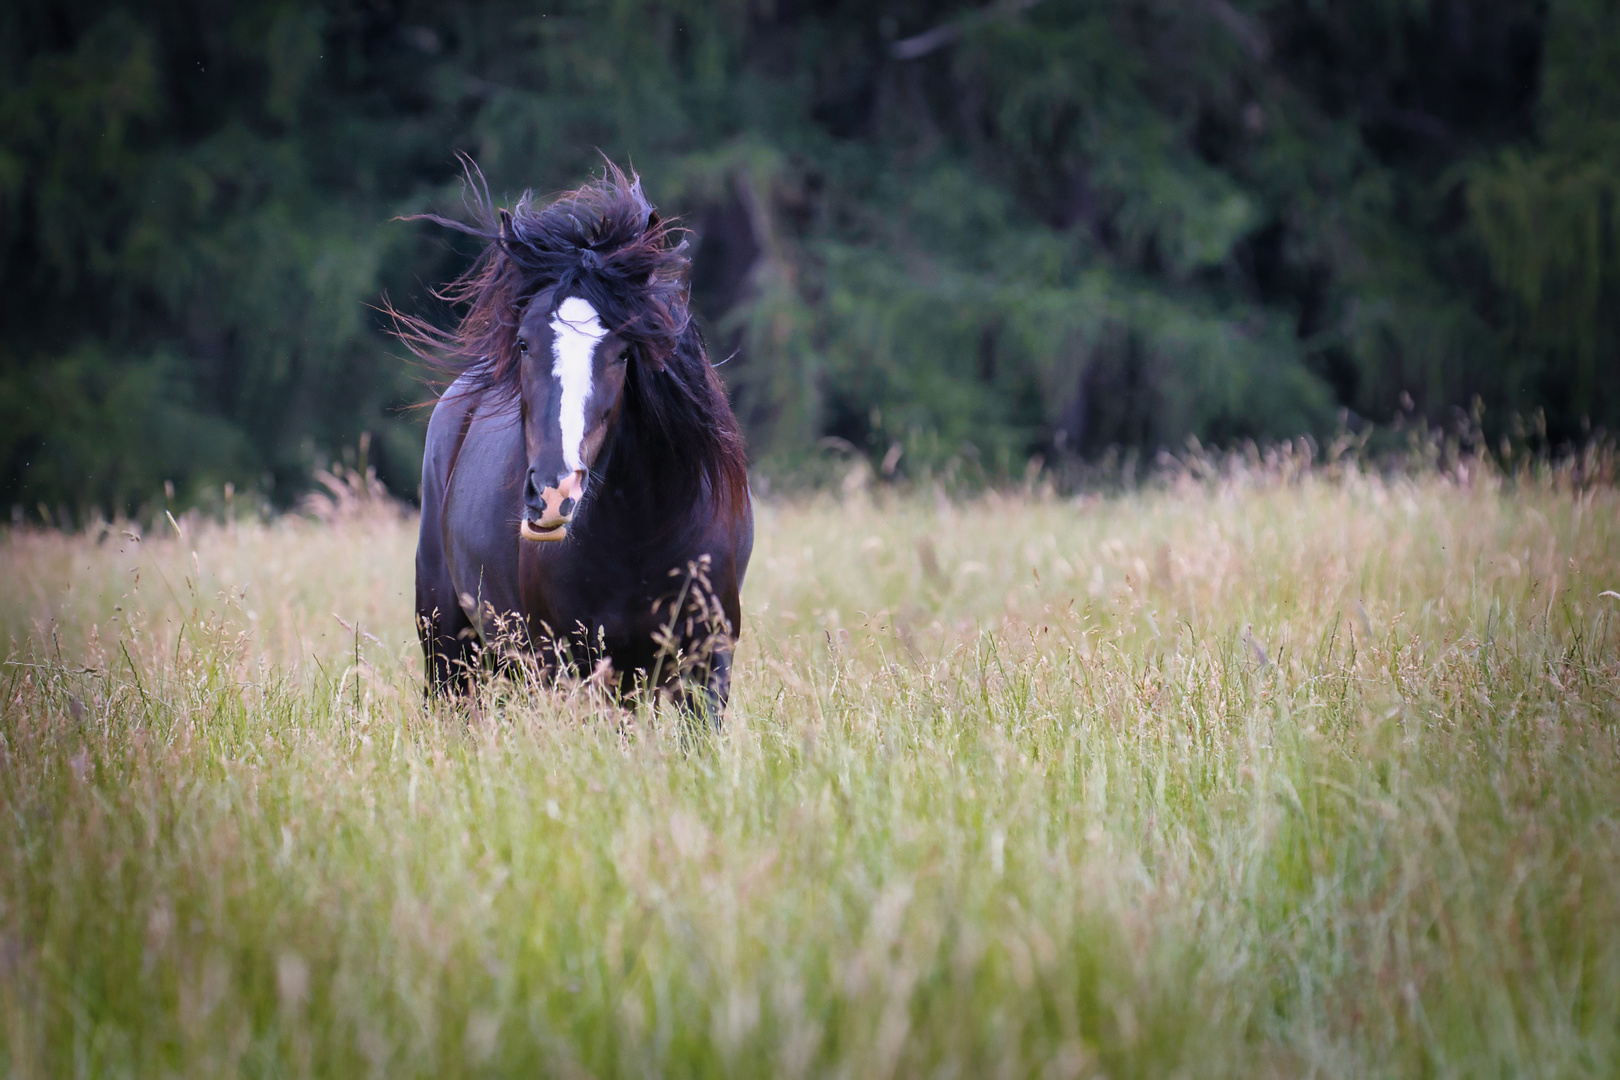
x=1265, y=773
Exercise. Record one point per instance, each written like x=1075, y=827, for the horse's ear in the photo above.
x=653, y=221
x=506, y=224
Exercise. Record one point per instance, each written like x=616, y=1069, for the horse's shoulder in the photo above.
x=465, y=412
x=458, y=402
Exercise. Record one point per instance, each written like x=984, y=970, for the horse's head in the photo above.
x=572, y=371
x=564, y=294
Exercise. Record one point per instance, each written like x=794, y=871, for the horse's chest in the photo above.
x=611, y=599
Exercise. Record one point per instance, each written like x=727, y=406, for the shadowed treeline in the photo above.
x=934, y=232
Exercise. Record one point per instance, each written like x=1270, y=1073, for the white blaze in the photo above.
x=576, y=331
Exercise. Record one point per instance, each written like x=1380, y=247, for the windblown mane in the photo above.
x=605, y=242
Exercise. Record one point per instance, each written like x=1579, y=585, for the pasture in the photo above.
x=1264, y=772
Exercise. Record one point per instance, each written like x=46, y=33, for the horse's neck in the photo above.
x=647, y=497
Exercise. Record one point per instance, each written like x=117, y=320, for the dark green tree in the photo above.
x=978, y=231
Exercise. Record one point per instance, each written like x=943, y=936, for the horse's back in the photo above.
x=467, y=550
x=745, y=535
x=446, y=426
x=440, y=623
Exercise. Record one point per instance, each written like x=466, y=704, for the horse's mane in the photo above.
x=603, y=241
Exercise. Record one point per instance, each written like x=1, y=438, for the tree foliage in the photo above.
x=992, y=231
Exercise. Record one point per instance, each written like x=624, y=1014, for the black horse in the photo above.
x=585, y=486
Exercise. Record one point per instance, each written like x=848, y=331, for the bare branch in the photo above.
x=1251, y=36
x=919, y=45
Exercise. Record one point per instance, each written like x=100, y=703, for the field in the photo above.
x=1263, y=772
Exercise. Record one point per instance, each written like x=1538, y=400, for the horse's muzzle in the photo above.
x=556, y=510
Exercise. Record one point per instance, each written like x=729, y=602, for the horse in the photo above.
x=584, y=485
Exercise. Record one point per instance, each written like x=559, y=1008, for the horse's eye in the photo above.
x=622, y=357
x=523, y=346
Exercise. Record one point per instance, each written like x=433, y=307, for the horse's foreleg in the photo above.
x=449, y=643
x=449, y=651
x=704, y=692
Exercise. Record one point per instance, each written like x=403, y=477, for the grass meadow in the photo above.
x=1265, y=771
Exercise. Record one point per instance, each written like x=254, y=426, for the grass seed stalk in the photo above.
x=1246, y=776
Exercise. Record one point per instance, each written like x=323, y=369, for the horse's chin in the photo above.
x=530, y=531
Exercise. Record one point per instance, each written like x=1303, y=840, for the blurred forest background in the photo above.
x=978, y=232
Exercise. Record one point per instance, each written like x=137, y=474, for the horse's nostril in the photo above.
x=566, y=507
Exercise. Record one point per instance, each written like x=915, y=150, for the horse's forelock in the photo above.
x=604, y=240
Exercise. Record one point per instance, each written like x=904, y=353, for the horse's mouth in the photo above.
x=531, y=530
